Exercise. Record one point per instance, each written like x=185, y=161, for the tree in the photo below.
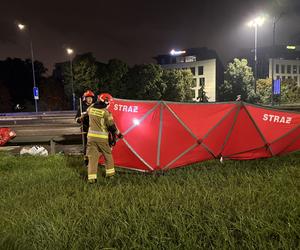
x=178, y=85
x=290, y=91
x=84, y=74
x=6, y=104
x=146, y=81
x=143, y=82
x=16, y=75
x=264, y=90
x=151, y=82
x=238, y=80
x=39, y=70
x=111, y=77
x=52, y=96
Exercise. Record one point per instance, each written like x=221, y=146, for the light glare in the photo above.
x=256, y=21
x=21, y=26
x=177, y=52
x=291, y=47
x=70, y=51
x=136, y=121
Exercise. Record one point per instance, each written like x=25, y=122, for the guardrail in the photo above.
x=289, y=107
x=43, y=128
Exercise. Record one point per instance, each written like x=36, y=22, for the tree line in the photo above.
x=239, y=80
x=139, y=82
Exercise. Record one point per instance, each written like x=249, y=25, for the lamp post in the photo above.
x=70, y=53
x=258, y=21
x=275, y=20
x=23, y=27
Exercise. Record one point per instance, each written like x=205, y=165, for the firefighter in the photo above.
x=88, y=99
x=101, y=124
x=6, y=134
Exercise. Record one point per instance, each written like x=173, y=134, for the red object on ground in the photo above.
x=6, y=134
x=164, y=135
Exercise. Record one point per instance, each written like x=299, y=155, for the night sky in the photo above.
x=137, y=30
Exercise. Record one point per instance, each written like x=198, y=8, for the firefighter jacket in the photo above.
x=85, y=121
x=101, y=121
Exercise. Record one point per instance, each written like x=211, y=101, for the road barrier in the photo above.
x=57, y=131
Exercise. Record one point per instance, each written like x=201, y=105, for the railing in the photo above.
x=54, y=130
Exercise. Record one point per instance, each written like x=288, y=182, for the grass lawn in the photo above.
x=45, y=203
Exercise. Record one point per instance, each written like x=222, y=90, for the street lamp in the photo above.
x=275, y=20
x=258, y=21
x=70, y=53
x=35, y=90
x=21, y=26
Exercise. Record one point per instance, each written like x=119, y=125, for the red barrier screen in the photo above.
x=162, y=135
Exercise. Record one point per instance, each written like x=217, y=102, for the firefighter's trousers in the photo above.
x=85, y=157
x=96, y=147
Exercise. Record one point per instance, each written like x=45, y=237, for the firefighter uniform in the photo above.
x=101, y=124
x=84, y=120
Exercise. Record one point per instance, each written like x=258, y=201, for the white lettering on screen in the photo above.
x=277, y=118
x=126, y=108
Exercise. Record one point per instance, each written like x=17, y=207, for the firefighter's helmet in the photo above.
x=105, y=97
x=88, y=93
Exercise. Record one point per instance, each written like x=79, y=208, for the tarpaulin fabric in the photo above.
x=4, y=136
x=162, y=135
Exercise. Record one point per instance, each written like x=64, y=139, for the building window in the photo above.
x=288, y=69
x=192, y=70
x=283, y=78
x=289, y=77
x=277, y=77
x=180, y=59
x=199, y=94
x=294, y=69
x=201, y=81
x=194, y=83
x=296, y=78
x=282, y=69
x=277, y=68
x=200, y=70
x=190, y=59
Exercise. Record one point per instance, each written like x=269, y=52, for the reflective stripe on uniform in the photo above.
x=97, y=112
x=110, y=117
x=110, y=172
x=98, y=134
x=92, y=176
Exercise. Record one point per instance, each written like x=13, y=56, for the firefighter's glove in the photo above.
x=112, y=140
x=120, y=136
